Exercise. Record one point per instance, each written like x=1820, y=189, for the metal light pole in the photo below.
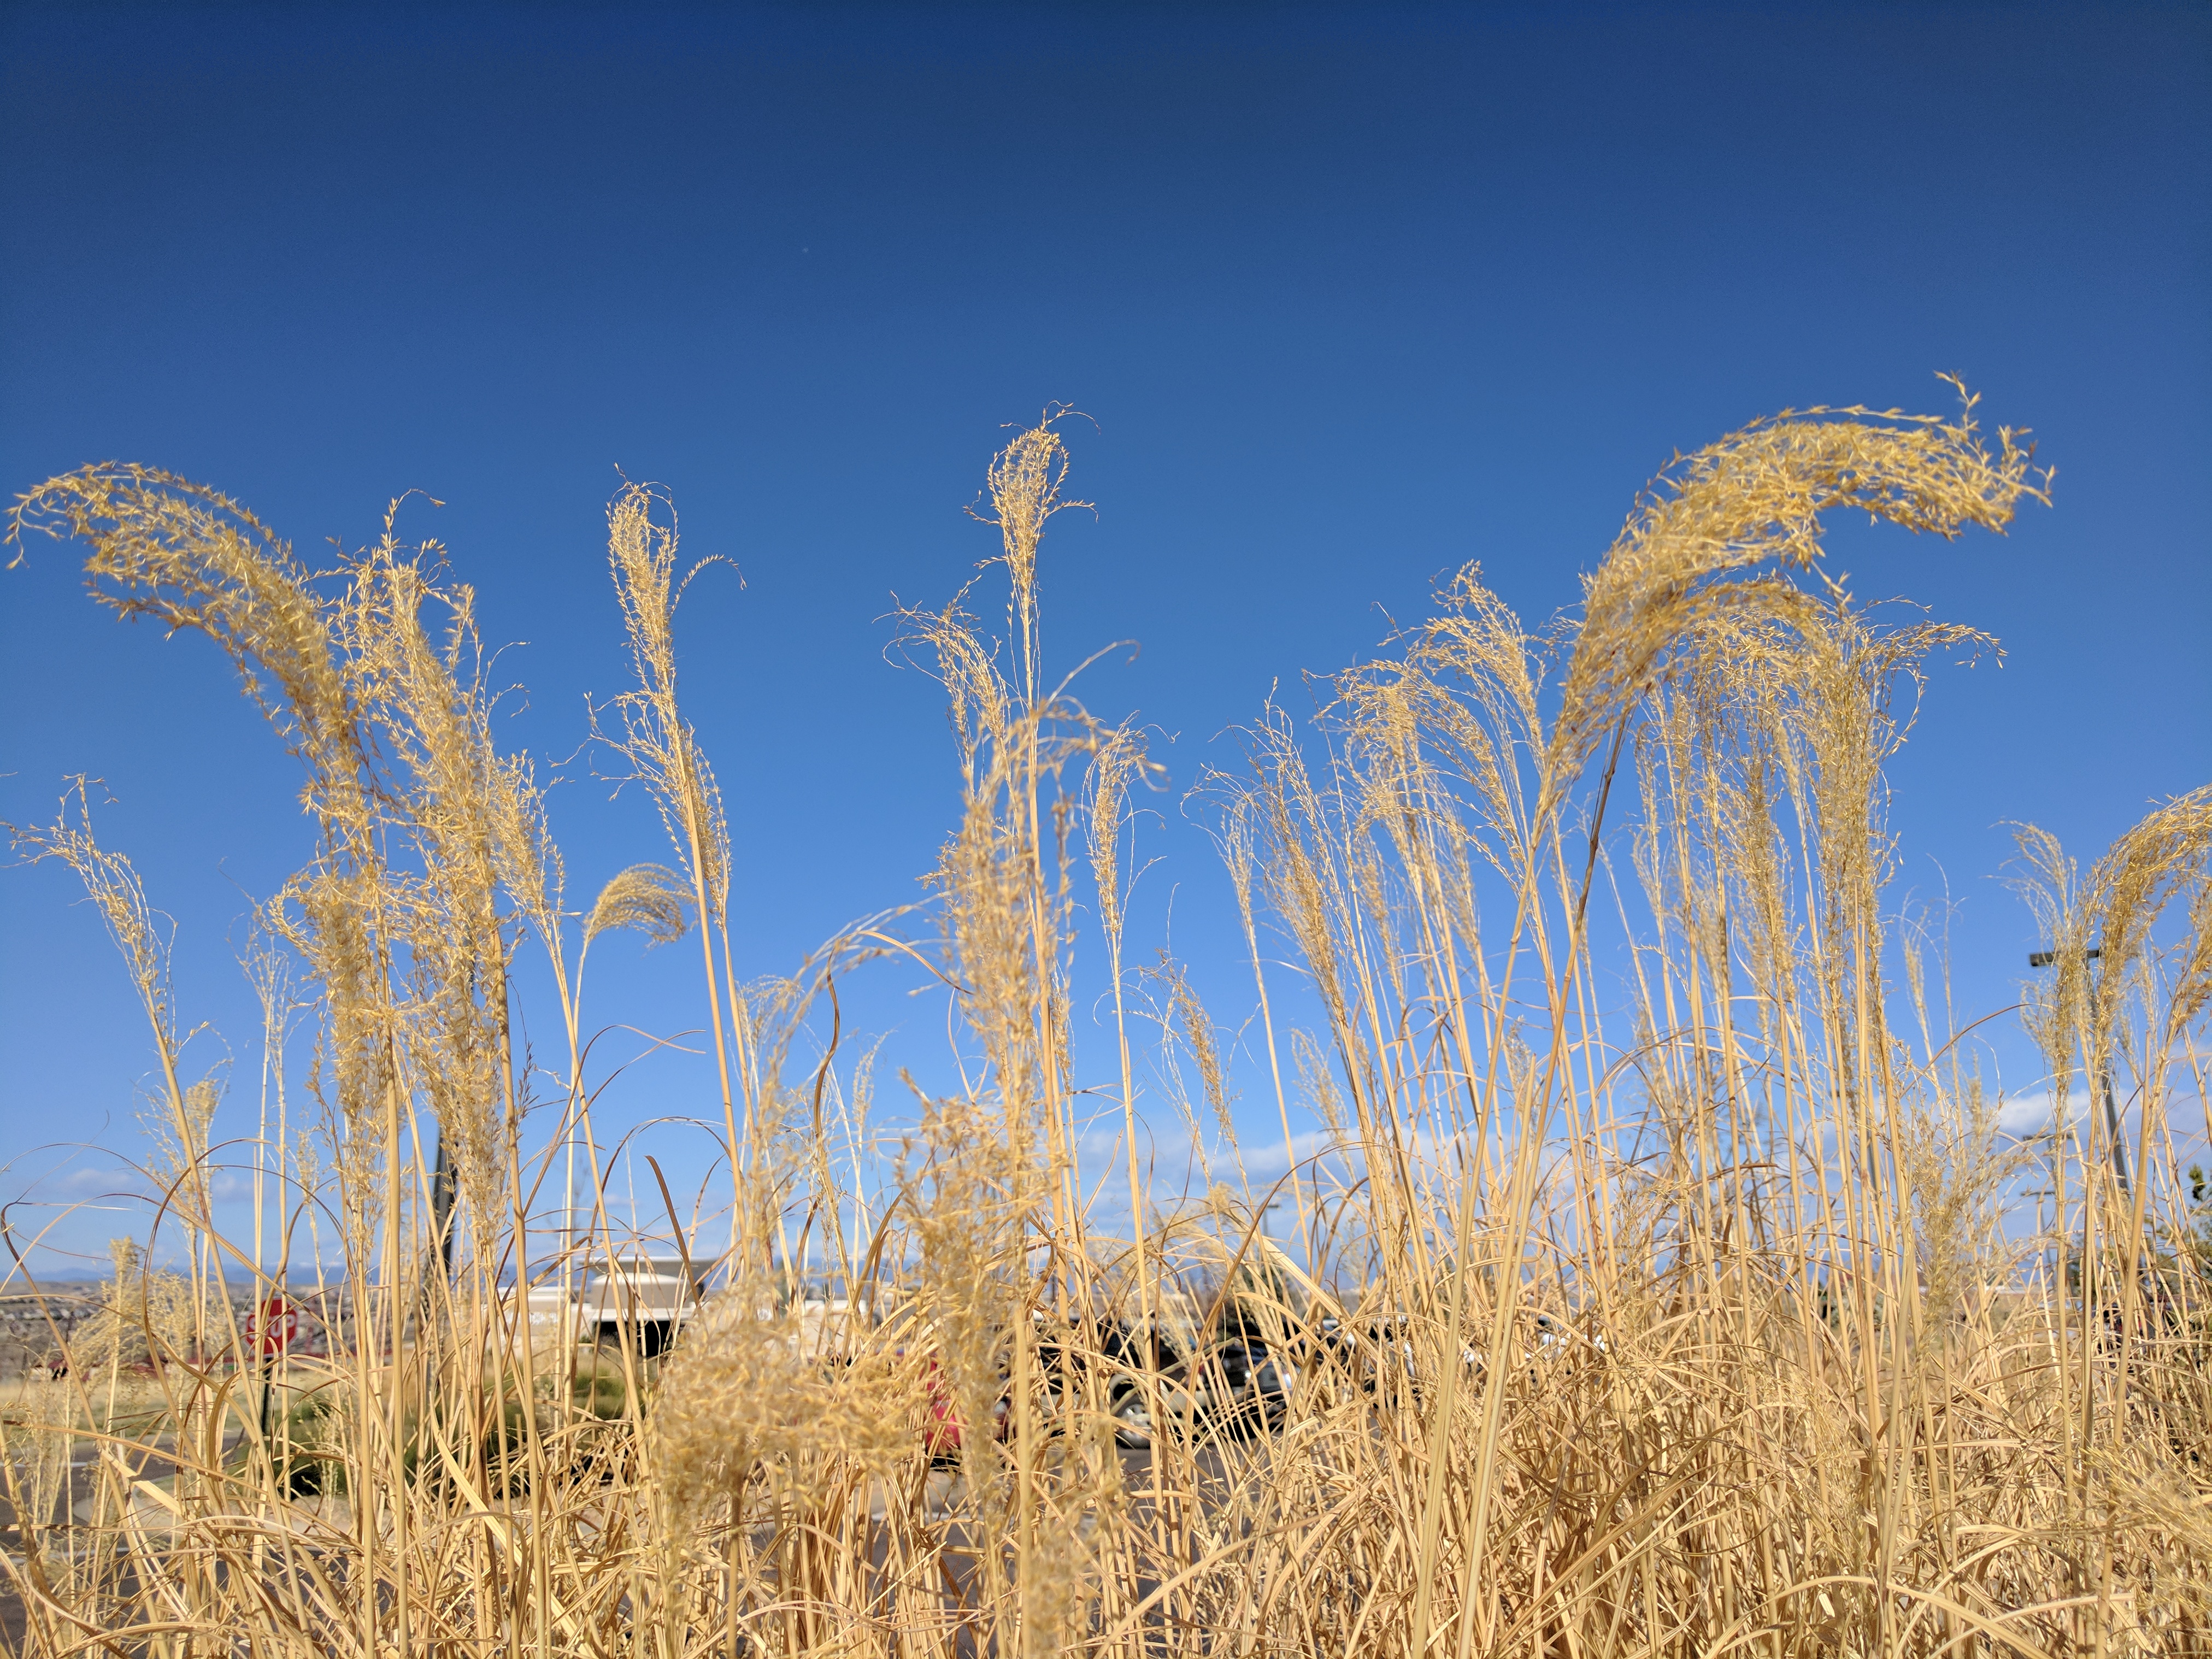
x=442, y=1204
x=2045, y=959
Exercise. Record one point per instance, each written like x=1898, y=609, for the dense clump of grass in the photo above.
x=1671, y=1319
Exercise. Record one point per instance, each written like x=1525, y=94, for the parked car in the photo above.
x=1221, y=1355
x=1193, y=1369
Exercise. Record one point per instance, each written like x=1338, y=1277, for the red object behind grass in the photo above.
x=943, y=1435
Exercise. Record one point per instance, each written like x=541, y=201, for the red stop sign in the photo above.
x=275, y=1324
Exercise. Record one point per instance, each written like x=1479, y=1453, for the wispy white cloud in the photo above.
x=2033, y=1113
x=76, y=1182
x=1270, y=1160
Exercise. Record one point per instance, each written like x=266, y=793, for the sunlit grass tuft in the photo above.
x=1652, y=1289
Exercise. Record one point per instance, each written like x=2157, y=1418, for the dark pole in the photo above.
x=268, y=1379
x=2112, y=1121
x=442, y=1205
x=2045, y=959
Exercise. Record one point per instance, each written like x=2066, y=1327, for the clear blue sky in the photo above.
x=1353, y=295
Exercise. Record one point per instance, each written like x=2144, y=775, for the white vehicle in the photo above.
x=642, y=1303
x=549, y=1313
